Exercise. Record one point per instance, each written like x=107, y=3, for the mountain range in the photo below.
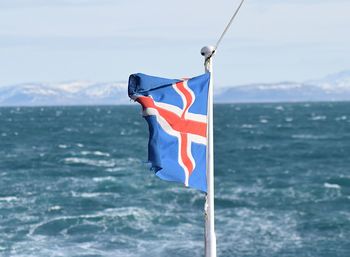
x=334, y=87
x=68, y=93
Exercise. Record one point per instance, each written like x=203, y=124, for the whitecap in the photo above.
x=341, y=118
x=329, y=185
x=288, y=119
x=259, y=147
x=97, y=153
x=140, y=214
x=4, y=134
x=307, y=136
x=247, y=126
x=54, y=208
x=62, y=146
x=281, y=228
x=279, y=108
x=8, y=198
x=92, y=195
x=318, y=117
x=103, y=179
x=86, y=161
x=80, y=145
x=264, y=121
x=114, y=169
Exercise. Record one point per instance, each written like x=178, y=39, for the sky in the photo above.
x=106, y=40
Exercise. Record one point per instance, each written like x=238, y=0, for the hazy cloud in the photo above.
x=270, y=40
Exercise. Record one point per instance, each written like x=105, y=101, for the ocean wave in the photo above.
x=104, y=179
x=247, y=126
x=91, y=162
x=258, y=147
x=136, y=215
x=115, y=169
x=341, y=118
x=39, y=245
x=71, y=129
x=10, y=155
x=308, y=136
x=54, y=208
x=263, y=207
x=97, y=153
x=92, y=194
x=8, y=198
x=333, y=186
x=318, y=117
x=274, y=230
x=111, y=165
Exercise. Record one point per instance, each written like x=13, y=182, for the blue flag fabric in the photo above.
x=176, y=113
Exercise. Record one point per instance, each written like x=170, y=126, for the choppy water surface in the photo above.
x=73, y=183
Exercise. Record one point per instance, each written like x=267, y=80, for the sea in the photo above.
x=74, y=182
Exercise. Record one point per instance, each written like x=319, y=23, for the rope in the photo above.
x=229, y=24
x=225, y=31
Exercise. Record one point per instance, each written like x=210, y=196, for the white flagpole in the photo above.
x=210, y=238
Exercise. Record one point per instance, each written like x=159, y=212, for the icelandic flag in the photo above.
x=176, y=113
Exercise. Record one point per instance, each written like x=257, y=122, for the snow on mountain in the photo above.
x=338, y=82
x=335, y=87
x=73, y=87
x=70, y=93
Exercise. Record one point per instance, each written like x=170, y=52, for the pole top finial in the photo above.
x=207, y=51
